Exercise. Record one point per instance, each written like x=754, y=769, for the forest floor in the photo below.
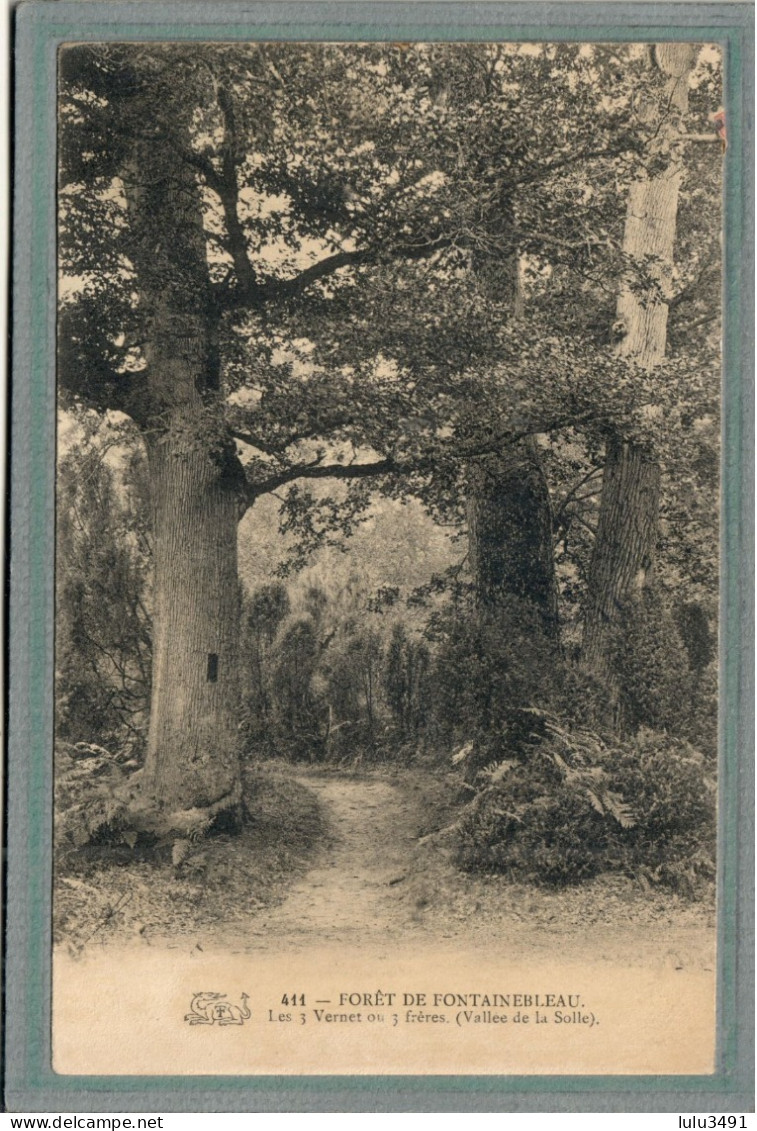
x=361, y=859
x=386, y=873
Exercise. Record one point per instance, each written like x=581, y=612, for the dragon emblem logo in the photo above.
x=213, y=1009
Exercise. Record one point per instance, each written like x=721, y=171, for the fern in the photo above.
x=568, y=807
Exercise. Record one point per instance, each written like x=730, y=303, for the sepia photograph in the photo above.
x=387, y=555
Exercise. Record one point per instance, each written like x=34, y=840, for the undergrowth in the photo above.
x=111, y=891
x=569, y=807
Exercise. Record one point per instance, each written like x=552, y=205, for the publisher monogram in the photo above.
x=212, y=1008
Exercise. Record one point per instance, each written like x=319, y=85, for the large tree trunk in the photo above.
x=193, y=755
x=510, y=534
x=624, y=549
x=509, y=509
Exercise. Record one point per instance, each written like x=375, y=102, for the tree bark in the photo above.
x=623, y=555
x=509, y=508
x=624, y=549
x=193, y=750
x=510, y=534
x=192, y=760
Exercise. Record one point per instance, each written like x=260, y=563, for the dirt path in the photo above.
x=351, y=894
x=375, y=882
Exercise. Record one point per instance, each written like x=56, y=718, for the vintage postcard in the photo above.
x=391, y=731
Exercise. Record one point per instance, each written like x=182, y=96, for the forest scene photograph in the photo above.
x=388, y=497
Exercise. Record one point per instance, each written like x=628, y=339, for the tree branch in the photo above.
x=386, y=466
x=573, y=496
x=545, y=171
x=287, y=288
x=701, y=321
x=323, y=268
x=575, y=517
x=519, y=234
x=278, y=449
x=709, y=137
x=255, y=442
x=391, y=466
x=204, y=165
x=689, y=291
x=228, y=190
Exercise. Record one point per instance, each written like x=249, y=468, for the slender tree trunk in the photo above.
x=624, y=549
x=510, y=533
x=621, y=565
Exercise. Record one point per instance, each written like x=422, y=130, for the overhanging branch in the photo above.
x=254, y=292
x=228, y=190
x=390, y=465
x=386, y=466
x=544, y=172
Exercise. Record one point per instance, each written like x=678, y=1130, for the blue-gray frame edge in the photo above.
x=30, y=1083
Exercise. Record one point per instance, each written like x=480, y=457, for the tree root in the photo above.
x=145, y=815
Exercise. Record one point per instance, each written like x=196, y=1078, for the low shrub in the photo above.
x=673, y=840
x=556, y=839
x=571, y=807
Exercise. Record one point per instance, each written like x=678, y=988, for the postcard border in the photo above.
x=30, y=1084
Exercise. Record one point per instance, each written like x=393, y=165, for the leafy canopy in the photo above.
x=364, y=209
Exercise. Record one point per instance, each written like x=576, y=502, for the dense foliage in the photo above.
x=571, y=807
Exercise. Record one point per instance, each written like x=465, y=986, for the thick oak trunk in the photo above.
x=510, y=534
x=509, y=509
x=624, y=549
x=193, y=750
x=192, y=760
